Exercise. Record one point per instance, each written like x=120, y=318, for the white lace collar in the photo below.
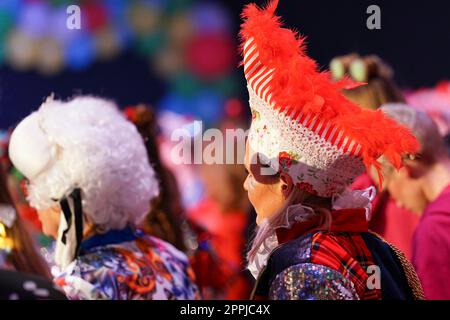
x=297, y=213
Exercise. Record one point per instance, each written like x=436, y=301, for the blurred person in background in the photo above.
x=220, y=221
x=423, y=186
x=91, y=183
x=24, y=275
x=371, y=70
x=395, y=224
x=17, y=250
x=166, y=214
x=16, y=185
x=447, y=142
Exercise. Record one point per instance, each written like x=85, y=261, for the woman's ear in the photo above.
x=286, y=184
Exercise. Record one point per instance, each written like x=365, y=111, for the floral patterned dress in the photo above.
x=125, y=265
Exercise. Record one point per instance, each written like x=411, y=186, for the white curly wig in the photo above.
x=92, y=147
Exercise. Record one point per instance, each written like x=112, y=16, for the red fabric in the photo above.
x=348, y=220
x=28, y=213
x=130, y=113
x=226, y=229
x=394, y=224
x=431, y=248
x=347, y=254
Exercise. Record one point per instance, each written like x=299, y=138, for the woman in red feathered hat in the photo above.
x=306, y=144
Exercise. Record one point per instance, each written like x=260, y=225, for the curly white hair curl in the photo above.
x=97, y=150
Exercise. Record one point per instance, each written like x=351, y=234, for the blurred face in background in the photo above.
x=218, y=186
x=223, y=182
x=267, y=193
x=405, y=186
x=410, y=186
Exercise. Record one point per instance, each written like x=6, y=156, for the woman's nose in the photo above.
x=246, y=184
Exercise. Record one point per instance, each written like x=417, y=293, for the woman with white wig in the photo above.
x=91, y=183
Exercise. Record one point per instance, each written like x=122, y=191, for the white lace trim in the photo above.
x=356, y=199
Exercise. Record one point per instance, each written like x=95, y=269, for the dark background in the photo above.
x=414, y=37
x=414, y=40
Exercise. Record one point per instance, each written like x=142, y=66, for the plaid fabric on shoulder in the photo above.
x=348, y=254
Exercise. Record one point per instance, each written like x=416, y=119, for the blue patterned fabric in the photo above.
x=143, y=268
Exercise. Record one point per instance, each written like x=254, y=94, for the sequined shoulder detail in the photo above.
x=308, y=281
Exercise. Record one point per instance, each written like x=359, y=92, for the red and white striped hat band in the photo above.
x=300, y=118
